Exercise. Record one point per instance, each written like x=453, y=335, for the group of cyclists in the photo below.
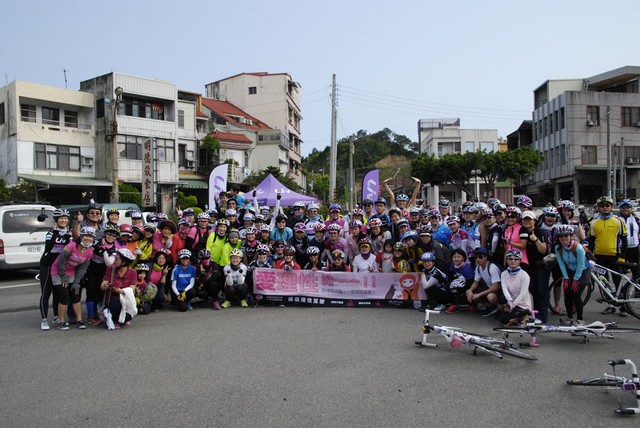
x=489, y=258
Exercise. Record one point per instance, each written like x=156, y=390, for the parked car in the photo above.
x=23, y=228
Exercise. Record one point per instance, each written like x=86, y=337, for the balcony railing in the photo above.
x=56, y=123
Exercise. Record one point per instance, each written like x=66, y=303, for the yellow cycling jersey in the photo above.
x=607, y=233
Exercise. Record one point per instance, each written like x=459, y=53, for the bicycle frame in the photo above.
x=622, y=383
x=605, y=279
x=453, y=332
x=596, y=328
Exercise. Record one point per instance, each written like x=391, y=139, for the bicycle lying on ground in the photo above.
x=594, y=329
x=625, y=294
x=614, y=382
x=456, y=338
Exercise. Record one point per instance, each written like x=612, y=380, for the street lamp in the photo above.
x=476, y=173
x=115, y=192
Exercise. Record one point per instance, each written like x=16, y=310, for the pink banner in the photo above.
x=339, y=285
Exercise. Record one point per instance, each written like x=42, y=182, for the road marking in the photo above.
x=18, y=285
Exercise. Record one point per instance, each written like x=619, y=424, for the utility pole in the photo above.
x=351, y=173
x=608, y=152
x=334, y=142
x=614, y=175
x=623, y=174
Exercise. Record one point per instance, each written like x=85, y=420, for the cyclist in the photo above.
x=57, y=238
x=608, y=240
x=67, y=273
x=633, y=232
x=486, y=282
x=574, y=265
x=235, y=288
x=434, y=281
x=117, y=277
x=365, y=261
x=183, y=280
x=515, y=300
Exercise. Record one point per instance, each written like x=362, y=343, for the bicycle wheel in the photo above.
x=598, y=381
x=506, y=348
x=632, y=292
x=557, y=285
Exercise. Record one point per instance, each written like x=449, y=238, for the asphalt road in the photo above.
x=292, y=366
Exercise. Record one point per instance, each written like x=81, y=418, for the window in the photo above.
x=71, y=119
x=28, y=112
x=469, y=146
x=181, y=119
x=50, y=116
x=1, y=113
x=165, y=150
x=589, y=155
x=630, y=116
x=562, y=118
x=182, y=155
x=253, y=90
x=129, y=147
x=144, y=109
x=100, y=108
x=446, y=148
x=593, y=115
x=52, y=156
x=486, y=146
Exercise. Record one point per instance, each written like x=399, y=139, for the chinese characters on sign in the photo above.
x=343, y=285
x=148, y=185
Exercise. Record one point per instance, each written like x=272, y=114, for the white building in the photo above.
x=444, y=136
x=147, y=111
x=275, y=100
x=47, y=137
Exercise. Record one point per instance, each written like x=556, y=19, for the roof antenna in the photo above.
x=64, y=70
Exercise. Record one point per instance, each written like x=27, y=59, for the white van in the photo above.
x=23, y=228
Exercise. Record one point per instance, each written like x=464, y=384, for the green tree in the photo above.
x=184, y=201
x=318, y=185
x=456, y=168
x=5, y=194
x=129, y=194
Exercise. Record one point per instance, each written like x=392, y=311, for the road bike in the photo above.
x=594, y=329
x=615, y=382
x=456, y=338
x=616, y=289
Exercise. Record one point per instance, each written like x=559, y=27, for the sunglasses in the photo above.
x=605, y=205
x=480, y=256
x=280, y=246
x=337, y=258
x=95, y=212
x=511, y=259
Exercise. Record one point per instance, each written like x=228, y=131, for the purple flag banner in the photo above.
x=370, y=185
x=217, y=183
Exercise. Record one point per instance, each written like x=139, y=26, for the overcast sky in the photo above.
x=396, y=62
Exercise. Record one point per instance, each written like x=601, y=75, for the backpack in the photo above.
x=588, y=253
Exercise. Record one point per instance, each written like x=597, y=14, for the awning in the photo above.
x=65, y=181
x=193, y=184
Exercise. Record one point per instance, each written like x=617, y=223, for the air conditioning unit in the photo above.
x=87, y=161
x=630, y=161
x=189, y=156
x=191, y=163
x=637, y=124
x=590, y=123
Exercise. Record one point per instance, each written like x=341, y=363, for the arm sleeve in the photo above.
x=192, y=282
x=581, y=263
x=522, y=296
x=561, y=263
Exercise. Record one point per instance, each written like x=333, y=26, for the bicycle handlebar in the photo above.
x=616, y=362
